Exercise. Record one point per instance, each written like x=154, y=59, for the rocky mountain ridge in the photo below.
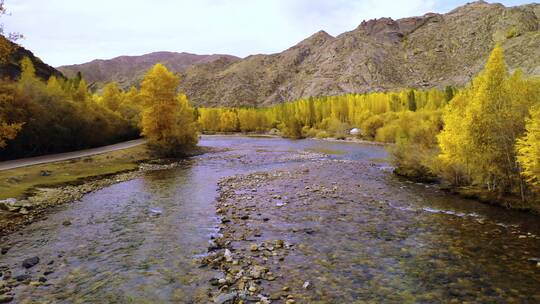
x=433, y=50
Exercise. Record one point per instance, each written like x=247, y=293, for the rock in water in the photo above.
x=534, y=260
x=23, y=277
x=155, y=211
x=30, y=262
x=228, y=255
x=225, y=298
x=5, y=299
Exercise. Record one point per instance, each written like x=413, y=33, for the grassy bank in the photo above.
x=19, y=182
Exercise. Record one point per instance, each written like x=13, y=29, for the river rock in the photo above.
x=45, y=173
x=4, y=250
x=10, y=205
x=534, y=260
x=66, y=223
x=5, y=298
x=257, y=271
x=30, y=262
x=225, y=298
x=228, y=255
x=23, y=277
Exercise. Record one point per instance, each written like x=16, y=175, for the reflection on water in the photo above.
x=137, y=241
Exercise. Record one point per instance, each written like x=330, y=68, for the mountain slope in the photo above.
x=129, y=70
x=433, y=50
x=11, y=68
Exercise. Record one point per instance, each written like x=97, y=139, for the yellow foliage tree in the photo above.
x=131, y=106
x=528, y=150
x=6, y=39
x=81, y=92
x=228, y=121
x=209, y=119
x=482, y=125
x=8, y=132
x=167, y=120
x=112, y=96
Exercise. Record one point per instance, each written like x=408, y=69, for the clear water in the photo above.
x=138, y=241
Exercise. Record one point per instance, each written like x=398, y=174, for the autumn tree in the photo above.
x=167, y=120
x=482, y=125
x=6, y=39
x=45, y=118
x=8, y=132
x=81, y=92
x=209, y=119
x=228, y=121
x=528, y=150
x=112, y=96
x=131, y=106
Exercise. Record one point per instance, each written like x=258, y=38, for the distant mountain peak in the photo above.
x=316, y=39
x=129, y=70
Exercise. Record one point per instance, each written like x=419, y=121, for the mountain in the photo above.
x=11, y=68
x=129, y=70
x=433, y=50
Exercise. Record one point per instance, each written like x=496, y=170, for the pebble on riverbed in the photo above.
x=30, y=262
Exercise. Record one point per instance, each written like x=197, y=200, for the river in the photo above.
x=377, y=238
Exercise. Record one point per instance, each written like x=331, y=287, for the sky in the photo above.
x=64, y=32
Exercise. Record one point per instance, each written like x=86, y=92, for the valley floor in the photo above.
x=273, y=220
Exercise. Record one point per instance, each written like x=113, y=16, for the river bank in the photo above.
x=311, y=235
x=29, y=193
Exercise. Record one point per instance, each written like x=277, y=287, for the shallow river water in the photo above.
x=139, y=241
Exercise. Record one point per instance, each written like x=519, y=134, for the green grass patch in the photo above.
x=18, y=182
